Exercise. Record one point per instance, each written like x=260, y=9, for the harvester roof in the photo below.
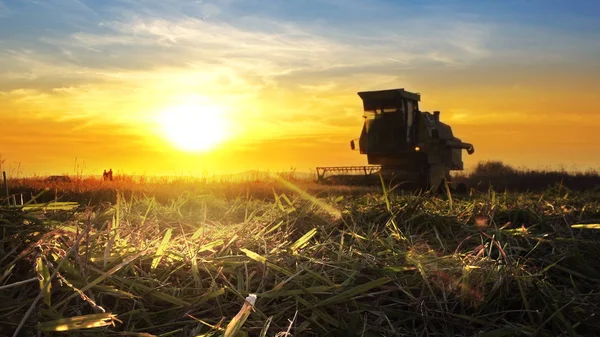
x=384, y=99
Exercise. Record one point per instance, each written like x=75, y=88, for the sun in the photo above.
x=194, y=127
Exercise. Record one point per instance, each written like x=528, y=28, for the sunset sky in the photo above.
x=91, y=82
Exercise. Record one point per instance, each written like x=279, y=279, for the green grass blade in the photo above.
x=586, y=226
x=78, y=322
x=300, y=243
x=263, y=260
x=44, y=276
x=161, y=249
x=104, y=276
x=210, y=246
x=358, y=290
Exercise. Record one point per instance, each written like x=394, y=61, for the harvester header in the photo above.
x=402, y=142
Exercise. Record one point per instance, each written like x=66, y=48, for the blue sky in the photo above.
x=539, y=26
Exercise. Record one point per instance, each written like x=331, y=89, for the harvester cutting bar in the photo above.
x=321, y=171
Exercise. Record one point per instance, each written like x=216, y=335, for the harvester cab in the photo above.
x=404, y=143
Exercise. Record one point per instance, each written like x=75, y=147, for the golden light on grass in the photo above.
x=180, y=261
x=79, y=322
x=194, y=125
x=586, y=226
x=238, y=321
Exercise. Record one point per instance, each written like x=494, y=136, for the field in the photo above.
x=179, y=258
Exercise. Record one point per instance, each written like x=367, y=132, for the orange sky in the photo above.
x=286, y=87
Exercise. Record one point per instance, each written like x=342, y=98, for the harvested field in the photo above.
x=380, y=263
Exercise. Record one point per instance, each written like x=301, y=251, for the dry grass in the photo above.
x=181, y=262
x=95, y=190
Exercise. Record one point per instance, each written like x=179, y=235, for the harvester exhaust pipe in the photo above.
x=462, y=145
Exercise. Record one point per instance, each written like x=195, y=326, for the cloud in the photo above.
x=268, y=47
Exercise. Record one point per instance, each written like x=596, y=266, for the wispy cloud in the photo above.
x=122, y=40
x=265, y=46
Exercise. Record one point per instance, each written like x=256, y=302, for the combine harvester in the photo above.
x=405, y=145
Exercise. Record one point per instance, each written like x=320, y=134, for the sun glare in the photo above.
x=194, y=127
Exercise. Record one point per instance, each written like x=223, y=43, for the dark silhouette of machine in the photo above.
x=402, y=143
